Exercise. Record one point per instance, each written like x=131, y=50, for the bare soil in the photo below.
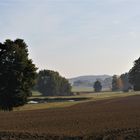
x=111, y=119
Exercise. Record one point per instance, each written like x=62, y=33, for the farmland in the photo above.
x=66, y=101
x=98, y=118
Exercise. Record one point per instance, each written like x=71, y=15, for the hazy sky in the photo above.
x=75, y=37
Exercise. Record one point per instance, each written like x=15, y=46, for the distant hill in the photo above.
x=91, y=78
x=88, y=80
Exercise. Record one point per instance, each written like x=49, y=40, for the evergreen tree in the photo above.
x=17, y=74
x=134, y=75
x=97, y=86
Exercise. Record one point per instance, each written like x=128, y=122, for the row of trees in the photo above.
x=126, y=81
x=130, y=80
x=18, y=76
x=121, y=83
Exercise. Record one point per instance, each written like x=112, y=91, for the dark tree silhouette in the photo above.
x=97, y=86
x=17, y=74
x=50, y=83
x=115, y=85
x=134, y=75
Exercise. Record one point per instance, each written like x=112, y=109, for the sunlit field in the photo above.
x=87, y=98
x=82, y=89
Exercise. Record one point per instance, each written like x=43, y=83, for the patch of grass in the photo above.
x=82, y=89
x=36, y=93
x=90, y=96
x=45, y=106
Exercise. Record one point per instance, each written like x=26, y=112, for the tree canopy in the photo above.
x=17, y=74
x=125, y=82
x=115, y=85
x=97, y=86
x=50, y=83
x=134, y=75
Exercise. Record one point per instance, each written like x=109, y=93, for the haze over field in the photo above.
x=75, y=37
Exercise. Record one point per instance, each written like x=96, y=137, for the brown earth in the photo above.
x=112, y=119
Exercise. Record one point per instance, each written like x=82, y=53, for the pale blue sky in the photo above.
x=75, y=37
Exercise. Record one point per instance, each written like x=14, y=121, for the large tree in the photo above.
x=134, y=75
x=50, y=83
x=17, y=74
x=97, y=86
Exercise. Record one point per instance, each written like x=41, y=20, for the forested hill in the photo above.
x=88, y=80
x=91, y=78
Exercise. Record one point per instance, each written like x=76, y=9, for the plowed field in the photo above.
x=107, y=119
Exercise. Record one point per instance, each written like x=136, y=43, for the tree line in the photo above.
x=18, y=76
x=119, y=83
x=124, y=82
x=127, y=81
